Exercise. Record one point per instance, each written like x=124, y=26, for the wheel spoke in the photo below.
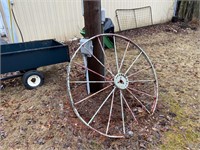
x=105, y=56
x=129, y=108
x=133, y=63
x=124, y=56
x=91, y=81
x=135, y=81
x=101, y=106
x=138, y=72
x=116, y=57
x=91, y=71
x=93, y=94
x=99, y=62
x=138, y=101
x=133, y=89
x=111, y=107
x=122, y=111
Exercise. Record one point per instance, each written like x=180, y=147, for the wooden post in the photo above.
x=92, y=18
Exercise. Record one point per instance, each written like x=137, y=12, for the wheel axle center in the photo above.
x=121, y=81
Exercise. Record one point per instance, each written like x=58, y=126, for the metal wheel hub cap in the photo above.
x=34, y=80
x=121, y=81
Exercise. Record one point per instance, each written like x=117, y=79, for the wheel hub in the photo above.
x=121, y=81
x=34, y=80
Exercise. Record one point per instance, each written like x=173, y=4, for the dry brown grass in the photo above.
x=43, y=119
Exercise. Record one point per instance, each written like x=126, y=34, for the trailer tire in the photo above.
x=32, y=79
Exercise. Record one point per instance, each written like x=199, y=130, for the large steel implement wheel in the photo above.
x=129, y=93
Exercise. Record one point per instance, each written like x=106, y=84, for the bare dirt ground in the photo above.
x=43, y=119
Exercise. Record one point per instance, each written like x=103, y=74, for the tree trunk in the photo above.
x=196, y=12
x=189, y=10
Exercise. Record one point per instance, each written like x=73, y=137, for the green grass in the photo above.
x=182, y=134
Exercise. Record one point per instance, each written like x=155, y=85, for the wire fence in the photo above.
x=134, y=18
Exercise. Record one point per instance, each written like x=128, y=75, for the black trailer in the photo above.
x=26, y=57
